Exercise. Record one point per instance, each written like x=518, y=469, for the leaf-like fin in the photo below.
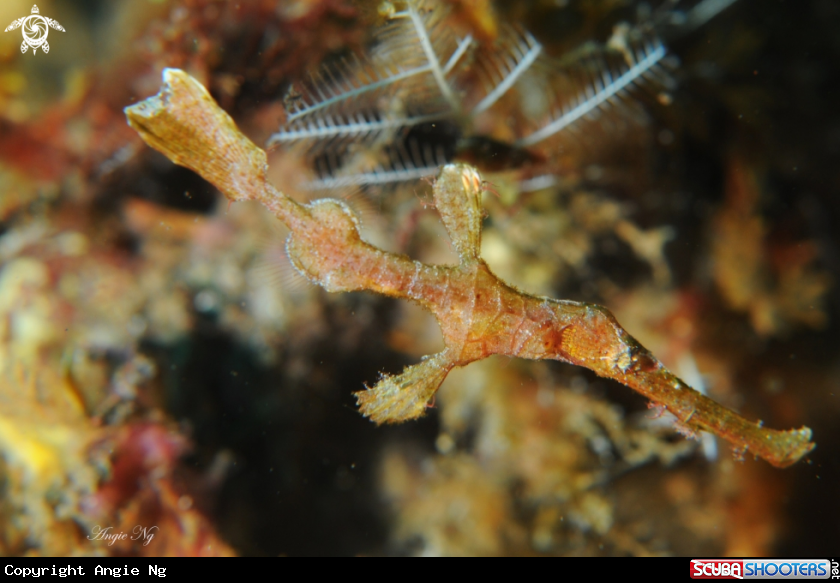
x=395, y=399
x=458, y=201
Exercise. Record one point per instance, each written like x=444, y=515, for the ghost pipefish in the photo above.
x=479, y=315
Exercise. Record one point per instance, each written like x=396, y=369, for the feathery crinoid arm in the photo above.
x=502, y=64
x=404, y=81
x=597, y=86
x=403, y=162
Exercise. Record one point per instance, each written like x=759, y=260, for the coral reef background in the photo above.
x=162, y=366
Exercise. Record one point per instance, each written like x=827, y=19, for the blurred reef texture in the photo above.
x=163, y=366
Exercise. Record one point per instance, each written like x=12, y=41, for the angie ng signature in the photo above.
x=139, y=533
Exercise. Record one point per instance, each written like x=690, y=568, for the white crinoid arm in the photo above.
x=606, y=88
x=54, y=24
x=515, y=51
x=409, y=70
x=436, y=66
x=400, y=163
x=15, y=24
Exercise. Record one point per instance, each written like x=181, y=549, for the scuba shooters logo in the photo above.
x=35, y=29
x=716, y=569
x=763, y=569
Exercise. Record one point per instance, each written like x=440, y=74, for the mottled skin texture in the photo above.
x=479, y=315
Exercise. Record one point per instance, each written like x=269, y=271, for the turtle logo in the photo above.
x=35, y=30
